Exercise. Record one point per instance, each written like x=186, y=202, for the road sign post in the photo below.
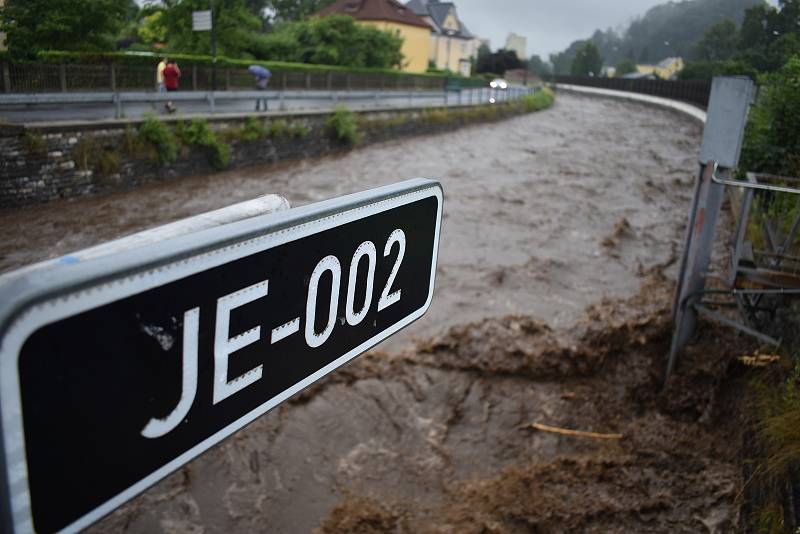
x=117, y=370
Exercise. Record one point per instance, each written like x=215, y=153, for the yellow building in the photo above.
x=391, y=16
x=665, y=69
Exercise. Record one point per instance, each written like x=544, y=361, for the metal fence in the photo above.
x=693, y=91
x=66, y=77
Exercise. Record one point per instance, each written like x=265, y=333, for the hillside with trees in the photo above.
x=270, y=30
x=670, y=29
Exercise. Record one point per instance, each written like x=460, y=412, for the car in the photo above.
x=498, y=83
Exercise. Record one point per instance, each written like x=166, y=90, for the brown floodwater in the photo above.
x=561, y=230
x=528, y=205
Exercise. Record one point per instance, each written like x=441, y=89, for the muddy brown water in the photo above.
x=560, y=236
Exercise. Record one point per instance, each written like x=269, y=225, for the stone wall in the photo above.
x=40, y=164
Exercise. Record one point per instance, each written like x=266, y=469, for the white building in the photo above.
x=517, y=43
x=452, y=44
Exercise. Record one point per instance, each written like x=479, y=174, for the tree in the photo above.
x=80, y=25
x=561, y=62
x=333, y=40
x=719, y=42
x=587, y=61
x=293, y=10
x=626, y=66
x=539, y=67
x=238, y=30
x=498, y=62
x=772, y=136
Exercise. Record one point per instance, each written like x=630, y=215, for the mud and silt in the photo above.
x=560, y=236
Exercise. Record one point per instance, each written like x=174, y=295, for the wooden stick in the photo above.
x=568, y=432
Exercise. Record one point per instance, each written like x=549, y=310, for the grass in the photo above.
x=155, y=133
x=342, y=127
x=35, y=144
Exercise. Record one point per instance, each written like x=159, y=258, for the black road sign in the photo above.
x=115, y=372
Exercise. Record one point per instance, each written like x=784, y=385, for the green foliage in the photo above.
x=343, y=127
x=719, y=42
x=299, y=131
x=666, y=30
x=237, y=29
x=626, y=66
x=34, y=143
x=107, y=162
x=278, y=128
x=772, y=136
x=253, y=129
x=539, y=67
x=780, y=423
x=198, y=133
x=334, y=40
x=705, y=70
x=587, y=61
x=149, y=59
x=33, y=25
x=499, y=61
x=294, y=10
x=84, y=152
x=156, y=134
x=539, y=100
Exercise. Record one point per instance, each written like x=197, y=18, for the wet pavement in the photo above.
x=560, y=236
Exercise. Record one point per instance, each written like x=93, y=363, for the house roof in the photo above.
x=389, y=10
x=438, y=11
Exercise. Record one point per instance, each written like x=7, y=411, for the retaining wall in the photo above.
x=43, y=163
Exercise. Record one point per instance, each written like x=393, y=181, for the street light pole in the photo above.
x=213, y=47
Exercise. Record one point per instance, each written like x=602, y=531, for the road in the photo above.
x=295, y=100
x=554, y=282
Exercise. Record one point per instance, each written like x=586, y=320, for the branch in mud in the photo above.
x=568, y=432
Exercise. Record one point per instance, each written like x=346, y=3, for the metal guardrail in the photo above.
x=119, y=99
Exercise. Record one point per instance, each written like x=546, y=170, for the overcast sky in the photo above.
x=549, y=25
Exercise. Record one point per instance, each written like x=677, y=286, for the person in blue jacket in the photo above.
x=262, y=76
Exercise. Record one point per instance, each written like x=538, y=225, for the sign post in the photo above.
x=117, y=370
x=204, y=21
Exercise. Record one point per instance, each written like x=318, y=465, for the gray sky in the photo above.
x=549, y=25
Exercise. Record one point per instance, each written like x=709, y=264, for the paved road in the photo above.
x=96, y=112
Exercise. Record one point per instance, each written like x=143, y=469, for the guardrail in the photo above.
x=693, y=91
x=119, y=99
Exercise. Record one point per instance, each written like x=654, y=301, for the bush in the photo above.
x=772, y=137
x=253, y=129
x=155, y=133
x=299, y=131
x=343, y=127
x=84, y=152
x=35, y=143
x=278, y=128
x=538, y=100
x=108, y=162
x=198, y=133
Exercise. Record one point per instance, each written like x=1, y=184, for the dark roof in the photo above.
x=438, y=11
x=390, y=10
x=419, y=7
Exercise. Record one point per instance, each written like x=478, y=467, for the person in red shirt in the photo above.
x=171, y=76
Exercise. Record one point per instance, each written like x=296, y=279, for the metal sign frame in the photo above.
x=33, y=298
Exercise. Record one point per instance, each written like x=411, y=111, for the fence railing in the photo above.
x=66, y=77
x=693, y=91
x=271, y=98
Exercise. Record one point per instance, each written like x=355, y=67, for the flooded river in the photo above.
x=561, y=230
